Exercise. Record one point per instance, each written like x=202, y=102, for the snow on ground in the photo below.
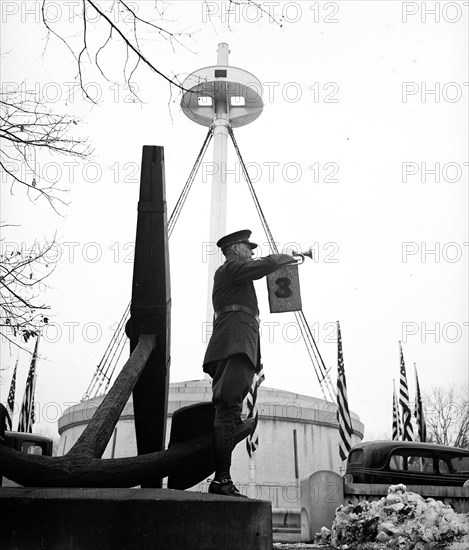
x=402, y=520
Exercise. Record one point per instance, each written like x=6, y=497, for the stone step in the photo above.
x=286, y=534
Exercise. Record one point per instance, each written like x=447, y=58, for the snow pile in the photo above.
x=401, y=520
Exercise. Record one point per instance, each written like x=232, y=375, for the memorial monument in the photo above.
x=112, y=518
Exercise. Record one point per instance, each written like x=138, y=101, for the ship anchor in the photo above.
x=189, y=456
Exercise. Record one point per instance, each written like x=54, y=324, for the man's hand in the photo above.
x=283, y=259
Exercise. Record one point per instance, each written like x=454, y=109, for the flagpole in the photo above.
x=343, y=414
x=252, y=489
x=33, y=384
x=26, y=418
x=418, y=410
x=396, y=412
x=16, y=364
x=11, y=394
x=407, y=429
x=415, y=415
x=252, y=441
x=394, y=434
x=31, y=415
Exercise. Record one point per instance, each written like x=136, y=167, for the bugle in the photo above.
x=299, y=257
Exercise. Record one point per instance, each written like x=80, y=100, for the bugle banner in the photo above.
x=284, y=289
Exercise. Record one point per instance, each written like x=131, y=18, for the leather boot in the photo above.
x=224, y=487
x=222, y=448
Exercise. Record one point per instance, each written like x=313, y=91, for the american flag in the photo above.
x=26, y=420
x=343, y=414
x=11, y=398
x=419, y=415
x=396, y=417
x=408, y=432
x=252, y=441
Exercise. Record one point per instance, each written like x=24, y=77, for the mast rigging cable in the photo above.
x=105, y=369
x=107, y=366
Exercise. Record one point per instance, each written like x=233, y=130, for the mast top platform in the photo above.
x=221, y=91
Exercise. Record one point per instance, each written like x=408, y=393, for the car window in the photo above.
x=443, y=466
x=460, y=465
x=30, y=448
x=420, y=464
x=356, y=457
x=412, y=462
x=397, y=462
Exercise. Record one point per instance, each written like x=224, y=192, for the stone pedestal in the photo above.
x=131, y=519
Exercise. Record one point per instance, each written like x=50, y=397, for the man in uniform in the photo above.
x=233, y=353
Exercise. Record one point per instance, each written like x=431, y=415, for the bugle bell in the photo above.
x=299, y=257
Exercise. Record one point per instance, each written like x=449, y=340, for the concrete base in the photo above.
x=131, y=519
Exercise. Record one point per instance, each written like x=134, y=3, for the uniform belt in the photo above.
x=236, y=307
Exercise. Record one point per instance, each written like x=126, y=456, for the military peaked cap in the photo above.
x=235, y=238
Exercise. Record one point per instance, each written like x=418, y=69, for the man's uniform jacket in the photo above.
x=237, y=331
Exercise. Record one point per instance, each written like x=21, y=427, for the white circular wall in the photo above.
x=274, y=472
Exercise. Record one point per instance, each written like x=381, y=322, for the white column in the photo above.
x=219, y=192
x=222, y=54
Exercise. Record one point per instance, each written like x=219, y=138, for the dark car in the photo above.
x=29, y=443
x=407, y=462
x=26, y=443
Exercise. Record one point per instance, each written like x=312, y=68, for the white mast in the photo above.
x=222, y=97
x=219, y=190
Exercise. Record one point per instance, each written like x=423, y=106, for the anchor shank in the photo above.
x=151, y=305
x=94, y=439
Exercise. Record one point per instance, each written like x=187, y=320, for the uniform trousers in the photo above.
x=232, y=378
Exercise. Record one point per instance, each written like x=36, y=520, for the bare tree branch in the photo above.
x=22, y=273
x=132, y=30
x=27, y=130
x=130, y=46
x=126, y=31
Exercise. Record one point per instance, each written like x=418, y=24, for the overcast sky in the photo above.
x=360, y=152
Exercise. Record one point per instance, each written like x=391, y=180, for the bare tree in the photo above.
x=447, y=416
x=136, y=26
x=101, y=25
x=22, y=274
x=29, y=132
